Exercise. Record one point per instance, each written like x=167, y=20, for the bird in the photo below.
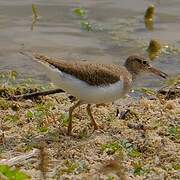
x=95, y=83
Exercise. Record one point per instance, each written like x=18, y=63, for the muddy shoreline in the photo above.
x=143, y=143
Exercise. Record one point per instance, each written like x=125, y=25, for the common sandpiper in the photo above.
x=94, y=83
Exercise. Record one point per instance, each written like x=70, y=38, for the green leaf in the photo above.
x=42, y=128
x=174, y=131
x=85, y=25
x=138, y=170
x=79, y=12
x=34, y=11
x=176, y=166
x=111, y=148
x=4, y=104
x=154, y=49
x=63, y=119
x=13, y=174
x=134, y=153
x=29, y=115
x=11, y=118
x=149, y=13
x=110, y=178
x=70, y=167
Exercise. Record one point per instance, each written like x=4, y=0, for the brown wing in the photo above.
x=93, y=74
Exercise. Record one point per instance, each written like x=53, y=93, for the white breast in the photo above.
x=85, y=92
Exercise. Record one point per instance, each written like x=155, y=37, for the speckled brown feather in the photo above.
x=93, y=74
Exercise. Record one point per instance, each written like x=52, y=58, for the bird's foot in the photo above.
x=97, y=128
x=69, y=131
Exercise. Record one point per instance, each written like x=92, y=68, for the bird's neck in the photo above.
x=133, y=74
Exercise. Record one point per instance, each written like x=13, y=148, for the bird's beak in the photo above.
x=158, y=72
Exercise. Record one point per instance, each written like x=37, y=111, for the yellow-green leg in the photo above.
x=71, y=109
x=91, y=116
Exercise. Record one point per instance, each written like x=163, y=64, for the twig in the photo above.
x=36, y=94
x=44, y=160
x=19, y=159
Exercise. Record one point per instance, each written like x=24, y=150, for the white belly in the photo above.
x=87, y=93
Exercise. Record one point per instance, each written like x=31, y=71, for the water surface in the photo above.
x=118, y=31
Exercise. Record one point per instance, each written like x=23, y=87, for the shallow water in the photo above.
x=118, y=31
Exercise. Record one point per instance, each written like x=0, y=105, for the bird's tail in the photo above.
x=36, y=56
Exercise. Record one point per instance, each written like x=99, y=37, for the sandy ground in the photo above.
x=142, y=143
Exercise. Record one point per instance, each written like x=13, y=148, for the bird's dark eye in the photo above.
x=144, y=62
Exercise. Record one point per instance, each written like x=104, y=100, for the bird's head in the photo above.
x=137, y=64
